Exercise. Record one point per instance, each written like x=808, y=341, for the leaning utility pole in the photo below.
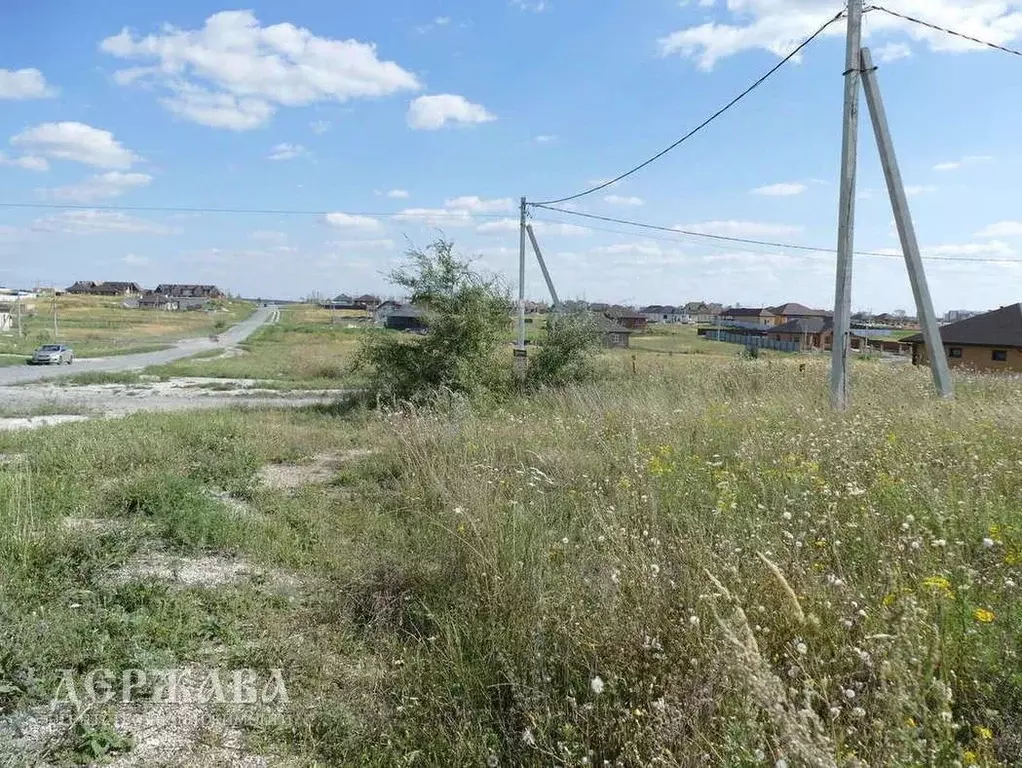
x=21, y=333
x=542, y=266
x=906, y=231
x=54, y=313
x=520, y=351
x=846, y=213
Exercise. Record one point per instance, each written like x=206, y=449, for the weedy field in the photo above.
x=700, y=564
x=97, y=326
x=309, y=348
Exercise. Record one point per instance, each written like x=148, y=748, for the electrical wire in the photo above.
x=751, y=241
x=947, y=31
x=439, y=213
x=705, y=122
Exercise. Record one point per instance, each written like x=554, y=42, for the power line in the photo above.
x=705, y=122
x=752, y=241
x=409, y=214
x=947, y=31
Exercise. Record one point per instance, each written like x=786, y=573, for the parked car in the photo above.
x=48, y=354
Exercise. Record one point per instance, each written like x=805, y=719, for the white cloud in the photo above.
x=953, y=165
x=990, y=249
x=439, y=21
x=103, y=186
x=1002, y=229
x=234, y=73
x=28, y=162
x=892, y=52
x=919, y=189
x=133, y=259
x=532, y=6
x=476, y=204
x=287, y=151
x=430, y=113
x=436, y=217
x=398, y=194
x=784, y=189
x=378, y=244
x=76, y=141
x=24, y=84
x=552, y=228
x=733, y=228
x=91, y=222
x=353, y=221
x=319, y=127
x=624, y=200
x=545, y=139
x=458, y=212
x=778, y=27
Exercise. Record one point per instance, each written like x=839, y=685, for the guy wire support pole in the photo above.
x=846, y=213
x=906, y=230
x=520, y=351
x=542, y=266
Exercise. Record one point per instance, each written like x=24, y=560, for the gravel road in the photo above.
x=16, y=374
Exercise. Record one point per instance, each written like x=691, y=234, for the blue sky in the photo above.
x=445, y=112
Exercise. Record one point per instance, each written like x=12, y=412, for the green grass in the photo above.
x=701, y=559
x=96, y=326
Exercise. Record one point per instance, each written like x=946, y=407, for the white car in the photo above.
x=48, y=354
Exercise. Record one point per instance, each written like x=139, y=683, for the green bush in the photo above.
x=468, y=316
x=567, y=352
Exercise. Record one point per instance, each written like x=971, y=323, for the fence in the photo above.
x=763, y=342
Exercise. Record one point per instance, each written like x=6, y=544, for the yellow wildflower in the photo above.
x=983, y=615
x=969, y=757
x=983, y=732
x=939, y=584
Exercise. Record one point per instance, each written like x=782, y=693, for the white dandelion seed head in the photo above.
x=596, y=685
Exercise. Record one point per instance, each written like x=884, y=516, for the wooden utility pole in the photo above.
x=846, y=212
x=906, y=230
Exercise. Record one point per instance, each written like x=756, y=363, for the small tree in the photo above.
x=468, y=317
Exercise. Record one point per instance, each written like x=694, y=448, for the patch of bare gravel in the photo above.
x=208, y=571
x=319, y=470
x=35, y=422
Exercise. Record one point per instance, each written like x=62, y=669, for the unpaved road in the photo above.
x=17, y=374
x=115, y=400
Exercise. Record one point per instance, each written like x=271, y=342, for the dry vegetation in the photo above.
x=699, y=564
x=96, y=326
x=309, y=348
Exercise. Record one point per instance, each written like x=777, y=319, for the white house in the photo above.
x=657, y=313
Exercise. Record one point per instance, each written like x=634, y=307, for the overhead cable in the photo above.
x=705, y=122
x=947, y=31
x=766, y=243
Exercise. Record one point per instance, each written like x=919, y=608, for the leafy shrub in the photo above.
x=566, y=354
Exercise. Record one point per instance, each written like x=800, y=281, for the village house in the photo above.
x=700, y=312
x=406, y=318
x=748, y=317
x=657, y=313
x=189, y=291
x=383, y=311
x=153, y=300
x=111, y=288
x=613, y=335
x=988, y=342
x=367, y=301
x=785, y=313
x=627, y=318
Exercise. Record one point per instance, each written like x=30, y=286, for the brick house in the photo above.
x=785, y=313
x=988, y=342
